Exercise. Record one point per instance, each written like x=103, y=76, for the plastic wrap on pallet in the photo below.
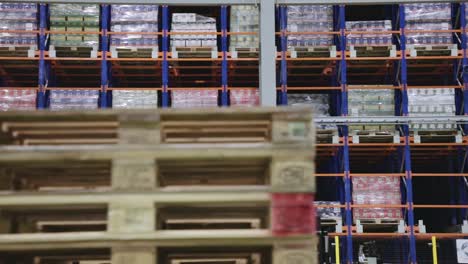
x=428, y=11
x=244, y=18
x=134, y=18
x=245, y=97
x=194, y=98
x=134, y=99
x=73, y=99
x=432, y=102
x=15, y=16
x=74, y=18
x=310, y=18
x=191, y=22
x=15, y=99
x=371, y=102
x=428, y=16
x=292, y=213
x=377, y=184
x=376, y=190
x=328, y=213
x=319, y=102
x=369, y=38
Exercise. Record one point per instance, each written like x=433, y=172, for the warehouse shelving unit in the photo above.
x=274, y=65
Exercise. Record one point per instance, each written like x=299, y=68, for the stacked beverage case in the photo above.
x=244, y=97
x=326, y=213
x=128, y=99
x=371, y=102
x=433, y=102
x=188, y=98
x=310, y=18
x=376, y=190
x=15, y=16
x=244, y=18
x=318, y=102
x=428, y=16
x=191, y=22
x=134, y=19
x=73, y=99
x=16, y=99
x=74, y=18
x=369, y=39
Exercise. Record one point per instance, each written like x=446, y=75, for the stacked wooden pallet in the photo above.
x=177, y=186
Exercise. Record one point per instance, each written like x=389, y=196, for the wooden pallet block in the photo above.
x=73, y=52
x=372, y=51
x=18, y=51
x=134, y=52
x=157, y=127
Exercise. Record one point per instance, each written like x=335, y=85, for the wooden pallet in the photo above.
x=312, y=52
x=235, y=53
x=330, y=221
x=327, y=136
x=379, y=221
x=150, y=197
x=261, y=250
x=432, y=50
x=193, y=52
x=436, y=136
x=134, y=52
x=376, y=225
x=175, y=168
x=18, y=51
x=363, y=136
x=73, y=52
x=157, y=126
x=372, y=51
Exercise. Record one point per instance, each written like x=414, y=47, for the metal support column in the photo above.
x=224, y=64
x=344, y=112
x=407, y=150
x=165, y=64
x=284, y=47
x=267, y=61
x=464, y=61
x=41, y=100
x=105, y=16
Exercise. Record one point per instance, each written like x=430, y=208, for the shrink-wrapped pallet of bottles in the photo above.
x=18, y=16
x=134, y=19
x=310, y=18
x=76, y=19
x=73, y=99
x=17, y=99
x=191, y=22
x=141, y=99
x=426, y=17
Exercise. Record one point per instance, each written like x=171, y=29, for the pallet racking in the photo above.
x=345, y=158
